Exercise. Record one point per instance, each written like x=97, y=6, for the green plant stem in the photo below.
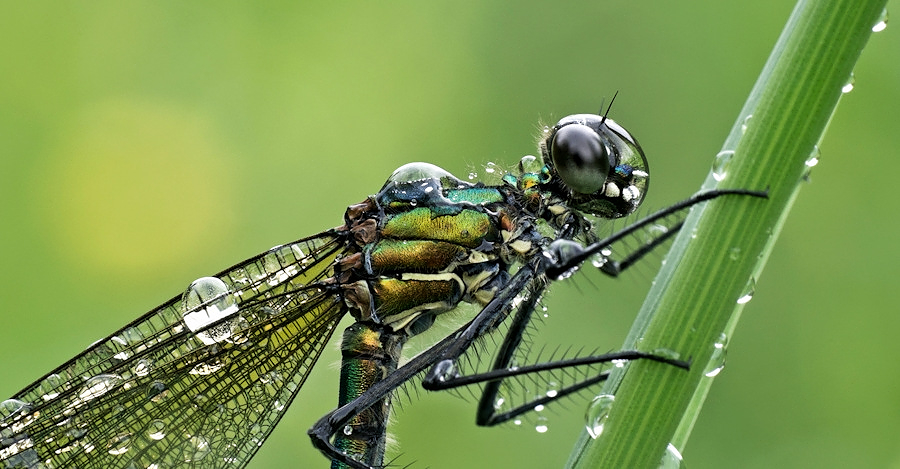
x=724, y=244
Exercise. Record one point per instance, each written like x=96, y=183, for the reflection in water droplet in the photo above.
x=848, y=86
x=597, y=413
x=671, y=458
x=717, y=359
x=747, y=293
x=720, y=164
x=882, y=22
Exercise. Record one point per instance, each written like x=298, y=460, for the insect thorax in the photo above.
x=428, y=241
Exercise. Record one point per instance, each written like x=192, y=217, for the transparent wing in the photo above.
x=198, y=382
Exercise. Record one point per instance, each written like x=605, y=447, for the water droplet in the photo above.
x=50, y=386
x=157, y=391
x=119, y=444
x=98, y=386
x=654, y=231
x=530, y=164
x=208, y=367
x=848, y=86
x=206, y=301
x=156, y=429
x=541, y=425
x=348, y=430
x=734, y=253
x=720, y=164
x=746, y=123
x=882, y=22
x=747, y=293
x=597, y=413
x=12, y=408
x=445, y=370
x=811, y=161
x=196, y=449
x=551, y=389
x=498, y=404
x=813, y=157
x=667, y=353
x=142, y=367
x=671, y=458
x=717, y=359
x=473, y=175
x=490, y=168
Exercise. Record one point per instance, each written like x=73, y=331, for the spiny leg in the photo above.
x=563, y=256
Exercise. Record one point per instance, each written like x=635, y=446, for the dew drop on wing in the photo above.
x=207, y=301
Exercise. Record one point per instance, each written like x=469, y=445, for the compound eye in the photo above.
x=580, y=158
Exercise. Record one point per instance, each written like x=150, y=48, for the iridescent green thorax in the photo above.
x=428, y=241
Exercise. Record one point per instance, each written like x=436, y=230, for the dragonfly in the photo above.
x=202, y=380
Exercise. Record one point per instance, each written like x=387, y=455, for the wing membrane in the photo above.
x=197, y=382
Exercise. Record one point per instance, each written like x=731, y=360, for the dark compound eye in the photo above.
x=580, y=157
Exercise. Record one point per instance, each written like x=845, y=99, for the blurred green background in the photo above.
x=146, y=144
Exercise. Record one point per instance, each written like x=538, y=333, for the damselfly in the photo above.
x=202, y=380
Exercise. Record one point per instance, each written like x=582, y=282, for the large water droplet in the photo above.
x=717, y=359
x=597, y=413
x=720, y=164
x=206, y=301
